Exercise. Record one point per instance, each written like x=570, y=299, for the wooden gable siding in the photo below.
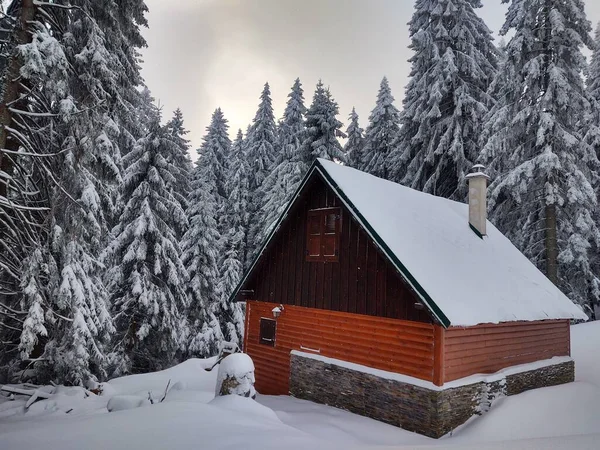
x=492, y=347
x=393, y=345
x=362, y=282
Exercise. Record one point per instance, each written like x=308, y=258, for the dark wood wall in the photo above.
x=362, y=282
x=397, y=346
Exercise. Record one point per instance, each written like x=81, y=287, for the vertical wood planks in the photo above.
x=362, y=281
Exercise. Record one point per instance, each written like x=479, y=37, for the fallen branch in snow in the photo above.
x=166, y=392
x=34, y=394
x=162, y=399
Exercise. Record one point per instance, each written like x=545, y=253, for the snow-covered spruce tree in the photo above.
x=542, y=195
x=591, y=131
x=66, y=322
x=278, y=188
x=234, y=241
x=81, y=210
x=381, y=134
x=73, y=95
x=23, y=192
x=453, y=65
x=322, y=128
x=261, y=153
x=356, y=142
x=261, y=141
x=202, y=244
x=591, y=126
x=147, y=278
x=181, y=158
x=121, y=22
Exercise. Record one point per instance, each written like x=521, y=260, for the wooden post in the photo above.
x=246, y=327
x=439, y=334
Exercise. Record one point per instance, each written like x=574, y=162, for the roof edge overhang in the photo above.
x=317, y=167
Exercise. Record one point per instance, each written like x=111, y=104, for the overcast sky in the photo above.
x=204, y=54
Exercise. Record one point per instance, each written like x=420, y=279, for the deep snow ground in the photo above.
x=557, y=418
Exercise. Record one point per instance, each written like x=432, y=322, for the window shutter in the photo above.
x=323, y=235
x=314, y=234
x=330, y=235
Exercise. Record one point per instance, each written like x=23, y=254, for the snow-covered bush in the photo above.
x=236, y=376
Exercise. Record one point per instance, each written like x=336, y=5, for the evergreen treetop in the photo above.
x=382, y=133
x=446, y=98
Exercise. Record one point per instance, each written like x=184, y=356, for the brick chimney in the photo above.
x=478, y=181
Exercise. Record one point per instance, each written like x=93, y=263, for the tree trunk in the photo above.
x=551, y=233
x=551, y=244
x=11, y=93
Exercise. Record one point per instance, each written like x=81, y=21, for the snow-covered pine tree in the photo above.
x=64, y=69
x=542, y=195
x=592, y=123
x=322, y=128
x=121, y=23
x=261, y=154
x=261, y=141
x=72, y=89
x=81, y=211
x=202, y=244
x=591, y=131
x=23, y=190
x=381, y=134
x=236, y=210
x=453, y=65
x=181, y=159
x=147, y=278
x=355, y=143
x=279, y=186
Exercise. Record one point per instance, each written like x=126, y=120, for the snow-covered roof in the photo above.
x=462, y=278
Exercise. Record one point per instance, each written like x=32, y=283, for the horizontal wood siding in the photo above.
x=489, y=348
x=394, y=345
x=363, y=281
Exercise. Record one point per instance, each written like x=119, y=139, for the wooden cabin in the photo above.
x=368, y=294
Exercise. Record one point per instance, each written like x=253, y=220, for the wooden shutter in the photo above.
x=323, y=235
x=329, y=242
x=313, y=236
x=267, y=331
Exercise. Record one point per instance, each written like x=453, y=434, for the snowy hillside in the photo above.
x=562, y=417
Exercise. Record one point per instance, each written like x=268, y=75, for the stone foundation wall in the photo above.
x=430, y=412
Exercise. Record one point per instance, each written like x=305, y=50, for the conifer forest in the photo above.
x=120, y=244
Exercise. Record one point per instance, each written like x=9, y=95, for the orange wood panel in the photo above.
x=492, y=347
x=439, y=366
x=387, y=344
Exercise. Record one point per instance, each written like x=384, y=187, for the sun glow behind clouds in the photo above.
x=205, y=54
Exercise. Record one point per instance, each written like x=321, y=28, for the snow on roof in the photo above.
x=458, y=275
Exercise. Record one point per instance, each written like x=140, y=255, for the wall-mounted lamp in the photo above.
x=277, y=311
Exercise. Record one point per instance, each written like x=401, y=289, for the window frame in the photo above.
x=323, y=213
x=263, y=340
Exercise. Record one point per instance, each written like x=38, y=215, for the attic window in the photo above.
x=323, y=235
x=267, y=331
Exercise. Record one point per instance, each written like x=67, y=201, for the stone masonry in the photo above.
x=430, y=412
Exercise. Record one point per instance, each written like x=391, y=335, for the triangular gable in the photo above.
x=317, y=169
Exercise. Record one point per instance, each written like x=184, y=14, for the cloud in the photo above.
x=208, y=53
